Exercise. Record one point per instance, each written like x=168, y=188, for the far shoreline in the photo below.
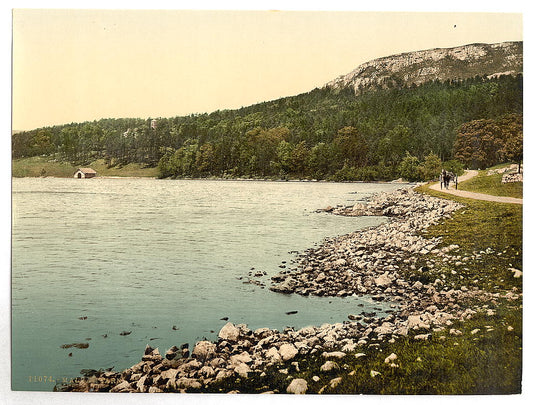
x=239, y=179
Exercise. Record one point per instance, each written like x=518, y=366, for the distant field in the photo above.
x=492, y=184
x=44, y=166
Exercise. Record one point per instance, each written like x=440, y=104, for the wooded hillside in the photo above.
x=323, y=134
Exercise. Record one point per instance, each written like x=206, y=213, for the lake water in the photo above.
x=163, y=259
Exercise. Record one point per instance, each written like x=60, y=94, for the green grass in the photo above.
x=489, y=362
x=492, y=185
x=40, y=166
x=476, y=227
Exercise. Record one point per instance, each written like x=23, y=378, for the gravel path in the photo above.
x=476, y=196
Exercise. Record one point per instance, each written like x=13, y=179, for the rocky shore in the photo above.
x=391, y=262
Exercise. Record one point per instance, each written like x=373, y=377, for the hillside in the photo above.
x=415, y=68
x=327, y=133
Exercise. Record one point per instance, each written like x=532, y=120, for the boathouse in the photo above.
x=84, y=173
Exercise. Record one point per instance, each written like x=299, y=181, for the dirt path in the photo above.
x=476, y=196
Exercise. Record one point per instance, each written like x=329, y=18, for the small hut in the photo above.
x=84, y=173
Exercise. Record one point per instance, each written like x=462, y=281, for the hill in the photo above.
x=415, y=68
x=331, y=132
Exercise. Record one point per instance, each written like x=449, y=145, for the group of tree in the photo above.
x=322, y=134
x=487, y=142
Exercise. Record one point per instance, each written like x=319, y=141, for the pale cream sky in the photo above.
x=80, y=65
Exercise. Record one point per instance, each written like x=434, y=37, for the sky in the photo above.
x=75, y=65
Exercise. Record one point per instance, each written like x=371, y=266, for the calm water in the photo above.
x=161, y=259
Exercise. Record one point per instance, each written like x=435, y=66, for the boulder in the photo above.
x=229, y=332
x=188, y=383
x=169, y=374
x=242, y=369
x=124, y=386
x=243, y=357
x=383, y=281
x=333, y=355
x=334, y=382
x=207, y=371
x=204, y=350
x=329, y=366
x=287, y=351
x=286, y=287
x=273, y=355
x=297, y=386
x=306, y=331
x=386, y=328
x=416, y=322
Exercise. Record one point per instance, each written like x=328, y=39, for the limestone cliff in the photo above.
x=442, y=64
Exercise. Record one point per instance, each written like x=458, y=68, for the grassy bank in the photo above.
x=483, y=183
x=44, y=166
x=480, y=354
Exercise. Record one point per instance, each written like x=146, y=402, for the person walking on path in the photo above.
x=476, y=196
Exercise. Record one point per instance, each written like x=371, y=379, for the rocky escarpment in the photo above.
x=406, y=69
x=371, y=262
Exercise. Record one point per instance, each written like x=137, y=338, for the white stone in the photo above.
x=171, y=373
x=383, y=281
x=391, y=358
x=287, y=351
x=243, y=357
x=334, y=382
x=123, y=386
x=229, y=332
x=422, y=337
x=329, y=366
x=386, y=328
x=204, y=350
x=297, y=386
x=242, y=369
x=273, y=355
x=334, y=355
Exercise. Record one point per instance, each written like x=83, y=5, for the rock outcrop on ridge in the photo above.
x=415, y=68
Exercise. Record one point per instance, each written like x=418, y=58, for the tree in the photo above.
x=284, y=157
x=350, y=147
x=487, y=142
x=431, y=167
x=260, y=149
x=513, y=134
x=299, y=157
x=42, y=143
x=479, y=143
x=205, y=159
x=319, y=160
x=409, y=168
x=395, y=144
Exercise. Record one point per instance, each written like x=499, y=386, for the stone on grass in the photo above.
x=297, y=386
x=287, y=351
x=334, y=382
x=329, y=366
x=391, y=358
x=333, y=355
